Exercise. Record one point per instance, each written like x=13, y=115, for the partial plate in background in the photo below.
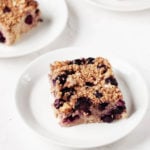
x=122, y=5
x=55, y=16
x=33, y=101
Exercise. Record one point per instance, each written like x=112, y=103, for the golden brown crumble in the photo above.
x=95, y=73
x=11, y=11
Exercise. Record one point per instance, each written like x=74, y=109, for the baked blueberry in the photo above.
x=119, y=108
x=107, y=118
x=104, y=67
x=6, y=9
x=98, y=94
x=111, y=80
x=2, y=38
x=58, y=103
x=101, y=66
x=61, y=78
x=83, y=104
x=121, y=103
x=37, y=11
x=68, y=92
x=90, y=60
x=102, y=106
x=78, y=61
x=89, y=84
x=29, y=19
x=69, y=72
x=71, y=118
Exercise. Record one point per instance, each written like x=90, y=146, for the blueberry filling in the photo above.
x=37, y=11
x=83, y=104
x=40, y=20
x=107, y=118
x=98, y=94
x=68, y=92
x=29, y=19
x=89, y=84
x=121, y=103
x=77, y=62
x=6, y=9
x=58, y=103
x=2, y=38
x=54, y=82
x=69, y=72
x=102, y=106
x=61, y=78
x=90, y=60
x=71, y=118
x=119, y=108
x=102, y=66
x=111, y=80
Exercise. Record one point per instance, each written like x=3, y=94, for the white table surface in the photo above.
x=122, y=34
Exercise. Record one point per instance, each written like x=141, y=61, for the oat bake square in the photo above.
x=85, y=91
x=17, y=17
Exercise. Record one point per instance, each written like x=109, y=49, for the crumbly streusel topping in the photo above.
x=91, y=78
x=11, y=11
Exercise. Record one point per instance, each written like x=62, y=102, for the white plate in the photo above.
x=55, y=16
x=122, y=5
x=33, y=101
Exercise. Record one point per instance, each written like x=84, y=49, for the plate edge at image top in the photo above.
x=128, y=7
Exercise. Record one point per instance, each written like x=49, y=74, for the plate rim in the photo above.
x=4, y=56
x=112, y=8
x=133, y=66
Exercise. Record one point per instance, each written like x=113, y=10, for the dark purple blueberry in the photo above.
x=68, y=92
x=61, y=78
x=6, y=9
x=89, y=84
x=98, y=94
x=102, y=66
x=71, y=118
x=78, y=61
x=90, y=60
x=111, y=80
x=54, y=82
x=119, y=108
x=58, y=103
x=102, y=106
x=121, y=103
x=83, y=104
x=40, y=20
x=2, y=38
x=69, y=72
x=37, y=11
x=107, y=118
x=29, y=19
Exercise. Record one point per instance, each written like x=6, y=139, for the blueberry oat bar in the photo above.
x=85, y=91
x=17, y=17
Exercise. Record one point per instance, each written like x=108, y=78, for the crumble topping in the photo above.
x=85, y=90
x=11, y=11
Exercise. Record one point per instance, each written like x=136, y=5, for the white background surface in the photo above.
x=121, y=34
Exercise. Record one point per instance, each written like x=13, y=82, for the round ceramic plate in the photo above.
x=122, y=5
x=55, y=16
x=34, y=100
